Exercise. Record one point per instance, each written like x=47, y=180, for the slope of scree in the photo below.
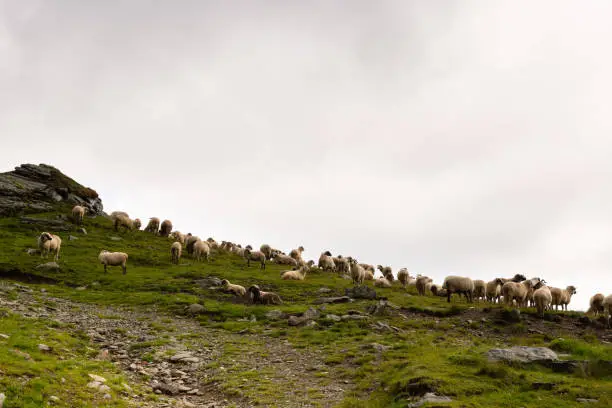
x=385, y=352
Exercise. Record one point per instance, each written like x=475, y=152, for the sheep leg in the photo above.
x=448, y=295
x=124, y=267
x=105, y=268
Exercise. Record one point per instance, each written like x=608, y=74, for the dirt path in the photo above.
x=191, y=365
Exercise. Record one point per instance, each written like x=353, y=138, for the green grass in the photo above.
x=435, y=349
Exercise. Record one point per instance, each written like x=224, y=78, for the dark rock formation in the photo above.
x=34, y=188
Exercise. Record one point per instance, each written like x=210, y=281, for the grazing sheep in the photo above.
x=123, y=221
x=176, y=250
x=201, y=250
x=212, y=243
x=402, y=276
x=357, y=271
x=542, y=299
x=369, y=268
x=297, y=274
x=421, y=284
x=137, y=224
x=386, y=271
x=256, y=256
x=237, y=290
x=459, y=285
x=596, y=304
x=78, y=213
x=166, y=228
x=326, y=262
x=607, y=306
x=412, y=280
x=285, y=260
x=114, y=214
x=190, y=242
x=518, y=291
x=562, y=297
x=342, y=265
x=179, y=237
x=267, y=251
x=49, y=243
x=113, y=259
x=265, y=298
x=153, y=225
x=493, y=290
x=369, y=275
x=297, y=253
x=435, y=289
x=382, y=282
x=479, y=289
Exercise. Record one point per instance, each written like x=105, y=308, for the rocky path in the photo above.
x=187, y=364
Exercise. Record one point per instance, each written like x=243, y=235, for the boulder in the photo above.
x=360, y=292
x=338, y=299
x=48, y=267
x=523, y=354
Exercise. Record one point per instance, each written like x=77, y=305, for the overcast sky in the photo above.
x=448, y=137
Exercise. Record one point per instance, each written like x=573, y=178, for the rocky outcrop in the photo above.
x=34, y=188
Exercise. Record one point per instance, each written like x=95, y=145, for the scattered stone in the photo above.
x=308, y=315
x=324, y=290
x=275, y=314
x=523, y=354
x=2, y=398
x=354, y=317
x=33, y=251
x=82, y=231
x=97, y=378
x=44, y=347
x=430, y=398
x=382, y=308
x=48, y=267
x=581, y=400
x=184, y=357
x=169, y=389
x=3, y=336
x=511, y=316
x=338, y=299
x=311, y=323
x=209, y=281
x=94, y=384
x=53, y=398
x=104, y=388
x=107, y=396
x=116, y=238
x=382, y=326
x=22, y=354
x=333, y=317
x=379, y=347
x=360, y=292
x=72, y=238
x=81, y=288
x=195, y=309
x=567, y=366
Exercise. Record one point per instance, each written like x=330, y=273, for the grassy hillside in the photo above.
x=385, y=359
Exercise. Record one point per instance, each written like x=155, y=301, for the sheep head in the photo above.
x=571, y=290
x=518, y=278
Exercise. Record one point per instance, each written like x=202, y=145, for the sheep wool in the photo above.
x=78, y=213
x=48, y=243
x=166, y=228
x=113, y=259
x=176, y=250
x=459, y=285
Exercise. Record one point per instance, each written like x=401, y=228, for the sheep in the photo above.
x=460, y=285
x=542, y=299
x=402, y=276
x=369, y=268
x=137, y=224
x=179, y=237
x=382, y=282
x=421, y=284
x=113, y=259
x=114, y=214
x=237, y=290
x=265, y=298
x=123, y=221
x=518, y=291
x=285, y=260
x=212, y=243
x=267, y=251
x=357, y=272
x=596, y=304
x=479, y=289
x=326, y=262
x=607, y=306
x=78, y=213
x=342, y=265
x=176, y=250
x=298, y=274
x=297, y=253
x=49, y=243
x=369, y=275
x=435, y=289
x=153, y=225
x=201, y=250
x=190, y=242
x=516, y=278
x=166, y=228
x=562, y=297
x=493, y=290
x=256, y=256
x=386, y=271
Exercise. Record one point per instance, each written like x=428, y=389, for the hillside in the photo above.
x=142, y=333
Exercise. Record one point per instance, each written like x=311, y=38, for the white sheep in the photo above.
x=137, y=224
x=562, y=297
x=459, y=285
x=176, y=251
x=422, y=284
x=212, y=243
x=596, y=304
x=386, y=271
x=153, y=225
x=342, y=265
x=190, y=241
x=123, y=221
x=357, y=272
x=542, y=299
x=237, y=290
x=179, y=237
x=78, y=213
x=201, y=249
x=49, y=243
x=297, y=253
x=267, y=251
x=326, y=262
x=265, y=298
x=116, y=213
x=166, y=228
x=297, y=274
x=518, y=291
x=493, y=290
x=256, y=256
x=113, y=259
x=402, y=276
x=285, y=260
x=382, y=282
x=479, y=289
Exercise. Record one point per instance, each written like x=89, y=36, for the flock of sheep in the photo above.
x=517, y=291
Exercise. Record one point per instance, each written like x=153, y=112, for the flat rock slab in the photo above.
x=339, y=299
x=523, y=354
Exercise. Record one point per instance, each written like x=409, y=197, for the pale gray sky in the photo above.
x=449, y=137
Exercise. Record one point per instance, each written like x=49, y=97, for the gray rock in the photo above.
x=72, y=238
x=379, y=347
x=275, y=314
x=354, y=317
x=308, y=315
x=33, y=251
x=169, y=389
x=184, y=357
x=209, y=281
x=324, y=290
x=587, y=400
x=338, y=299
x=115, y=238
x=44, y=347
x=523, y=354
x=333, y=317
x=360, y=292
x=195, y=309
x=48, y=267
x=53, y=398
x=430, y=398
